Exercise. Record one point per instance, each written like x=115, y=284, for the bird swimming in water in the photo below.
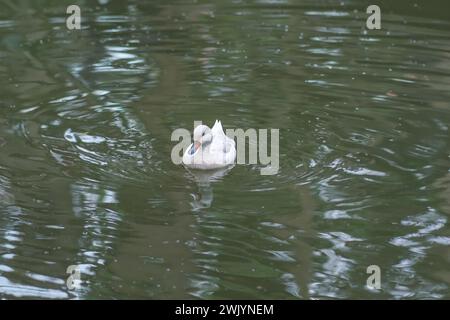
x=211, y=148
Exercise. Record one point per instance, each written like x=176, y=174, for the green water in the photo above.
x=86, y=176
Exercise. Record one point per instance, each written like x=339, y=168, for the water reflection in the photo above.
x=85, y=175
x=204, y=180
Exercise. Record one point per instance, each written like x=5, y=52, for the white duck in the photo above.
x=211, y=149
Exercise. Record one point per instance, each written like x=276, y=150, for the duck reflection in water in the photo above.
x=204, y=178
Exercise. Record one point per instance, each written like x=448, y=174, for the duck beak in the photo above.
x=195, y=147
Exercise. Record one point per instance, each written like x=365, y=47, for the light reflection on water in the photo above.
x=86, y=177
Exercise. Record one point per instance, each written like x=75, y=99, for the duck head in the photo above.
x=202, y=136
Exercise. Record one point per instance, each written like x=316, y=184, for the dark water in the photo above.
x=85, y=171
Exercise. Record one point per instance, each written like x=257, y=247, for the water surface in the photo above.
x=85, y=171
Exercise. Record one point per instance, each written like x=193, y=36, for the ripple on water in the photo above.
x=363, y=179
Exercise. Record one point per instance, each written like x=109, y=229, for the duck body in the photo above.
x=211, y=149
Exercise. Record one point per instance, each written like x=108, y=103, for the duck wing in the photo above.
x=219, y=142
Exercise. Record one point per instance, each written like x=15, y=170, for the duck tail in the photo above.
x=217, y=128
